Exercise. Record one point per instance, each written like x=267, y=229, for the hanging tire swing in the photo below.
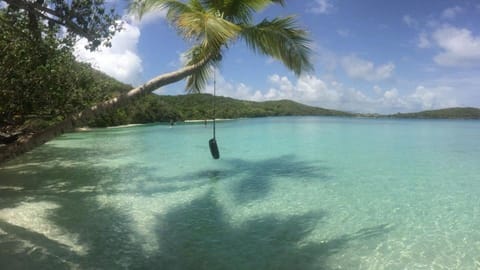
x=212, y=143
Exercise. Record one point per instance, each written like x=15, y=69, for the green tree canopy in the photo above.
x=39, y=77
x=86, y=18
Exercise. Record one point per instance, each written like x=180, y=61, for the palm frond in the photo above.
x=239, y=10
x=198, y=80
x=212, y=24
x=282, y=40
x=206, y=27
x=175, y=8
x=214, y=4
x=140, y=7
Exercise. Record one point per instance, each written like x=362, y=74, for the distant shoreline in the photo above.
x=208, y=120
x=127, y=125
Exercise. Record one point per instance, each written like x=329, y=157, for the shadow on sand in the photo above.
x=195, y=235
x=200, y=236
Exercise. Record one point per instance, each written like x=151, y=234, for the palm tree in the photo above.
x=211, y=26
x=214, y=24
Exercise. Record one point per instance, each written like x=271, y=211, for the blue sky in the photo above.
x=369, y=56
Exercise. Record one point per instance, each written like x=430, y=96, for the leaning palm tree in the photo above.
x=211, y=26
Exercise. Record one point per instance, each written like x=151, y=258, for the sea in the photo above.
x=286, y=193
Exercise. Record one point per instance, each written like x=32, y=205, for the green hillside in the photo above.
x=29, y=109
x=449, y=113
x=154, y=108
x=199, y=106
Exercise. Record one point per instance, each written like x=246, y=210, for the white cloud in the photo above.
x=391, y=94
x=230, y=89
x=409, y=21
x=307, y=89
x=149, y=17
x=460, y=47
x=181, y=61
x=452, y=12
x=3, y=4
x=270, y=60
x=321, y=7
x=121, y=60
x=358, y=68
x=314, y=91
x=326, y=58
x=423, y=41
x=432, y=98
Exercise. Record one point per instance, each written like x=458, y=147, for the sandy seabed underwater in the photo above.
x=287, y=193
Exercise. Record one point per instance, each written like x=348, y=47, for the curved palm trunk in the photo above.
x=27, y=143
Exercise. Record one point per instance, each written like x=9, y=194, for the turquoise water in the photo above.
x=287, y=193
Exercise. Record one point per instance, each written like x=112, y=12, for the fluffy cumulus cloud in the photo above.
x=321, y=7
x=149, y=17
x=423, y=40
x=332, y=94
x=409, y=21
x=306, y=89
x=358, y=68
x=451, y=12
x=121, y=60
x=231, y=89
x=432, y=98
x=460, y=47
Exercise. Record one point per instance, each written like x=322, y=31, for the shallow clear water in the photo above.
x=287, y=193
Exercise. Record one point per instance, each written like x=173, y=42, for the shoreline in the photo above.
x=208, y=120
x=28, y=141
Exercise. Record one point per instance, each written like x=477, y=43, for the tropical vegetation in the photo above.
x=40, y=81
x=85, y=18
x=448, y=113
x=210, y=26
x=154, y=108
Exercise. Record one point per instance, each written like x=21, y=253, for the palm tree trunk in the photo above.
x=28, y=142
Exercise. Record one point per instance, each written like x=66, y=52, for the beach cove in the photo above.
x=288, y=193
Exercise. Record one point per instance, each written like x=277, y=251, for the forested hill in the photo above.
x=155, y=108
x=449, y=113
x=200, y=106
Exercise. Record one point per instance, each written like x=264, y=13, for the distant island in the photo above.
x=448, y=113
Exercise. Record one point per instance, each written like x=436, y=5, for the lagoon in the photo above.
x=287, y=193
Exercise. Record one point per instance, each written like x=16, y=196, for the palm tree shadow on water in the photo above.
x=256, y=178
x=195, y=235
x=201, y=236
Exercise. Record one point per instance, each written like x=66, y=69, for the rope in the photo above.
x=214, y=90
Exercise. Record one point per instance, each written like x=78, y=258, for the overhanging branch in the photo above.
x=71, y=18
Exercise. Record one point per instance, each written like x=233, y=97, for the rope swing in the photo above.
x=212, y=143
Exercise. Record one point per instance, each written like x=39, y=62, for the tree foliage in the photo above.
x=154, y=108
x=48, y=69
x=86, y=18
x=449, y=113
x=213, y=25
x=39, y=77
